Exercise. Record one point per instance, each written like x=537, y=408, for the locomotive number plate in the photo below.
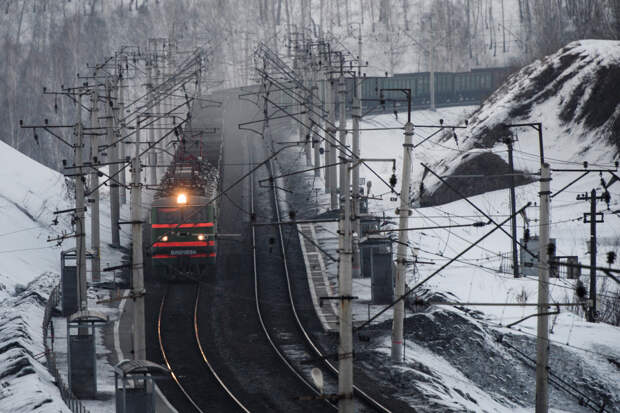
x=183, y=252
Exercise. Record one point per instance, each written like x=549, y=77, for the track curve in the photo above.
x=177, y=325
x=365, y=401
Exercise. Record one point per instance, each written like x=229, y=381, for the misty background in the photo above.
x=46, y=43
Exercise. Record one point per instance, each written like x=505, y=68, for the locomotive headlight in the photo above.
x=164, y=238
x=201, y=237
x=181, y=198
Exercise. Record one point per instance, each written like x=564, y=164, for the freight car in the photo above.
x=451, y=88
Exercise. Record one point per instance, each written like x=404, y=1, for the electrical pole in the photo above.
x=121, y=126
x=355, y=187
x=592, y=294
x=401, y=253
x=137, y=267
x=592, y=218
x=306, y=81
x=542, y=340
x=432, y=67
x=342, y=170
x=345, y=350
x=160, y=123
x=432, y=78
x=328, y=131
x=80, y=208
x=112, y=150
x=95, y=239
x=331, y=131
x=301, y=104
x=316, y=141
x=513, y=222
x=356, y=113
x=171, y=69
x=342, y=130
x=152, y=158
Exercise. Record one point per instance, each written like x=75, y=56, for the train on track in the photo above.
x=451, y=89
x=184, y=214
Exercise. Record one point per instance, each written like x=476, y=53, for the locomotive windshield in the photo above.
x=182, y=215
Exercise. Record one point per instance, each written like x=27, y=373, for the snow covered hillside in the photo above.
x=465, y=358
x=571, y=92
x=30, y=193
x=471, y=358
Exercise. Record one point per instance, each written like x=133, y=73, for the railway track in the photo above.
x=190, y=368
x=210, y=336
x=263, y=316
x=290, y=336
x=258, y=357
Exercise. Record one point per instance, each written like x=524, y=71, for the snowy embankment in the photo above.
x=465, y=358
x=30, y=193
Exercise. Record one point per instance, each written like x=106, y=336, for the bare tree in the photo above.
x=385, y=13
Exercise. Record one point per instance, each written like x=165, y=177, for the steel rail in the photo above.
x=357, y=391
x=204, y=357
x=163, y=353
x=258, y=307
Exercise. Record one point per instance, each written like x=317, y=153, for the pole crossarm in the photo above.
x=538, y=127
x=47, y=128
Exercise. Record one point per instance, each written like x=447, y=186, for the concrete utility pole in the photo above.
x=301, y=104
x=307, y=82
x=171, y=68
x=333, y=148
x=313, y=118
x=161, y=155
x=401, y=253
x=112, y=152
x=432, y=79
x=345, y=349
x=432, y=67
x=121, y=126
x=592, y=295
x=328, y=131
x=95, y=239
x=137, y=267
x=342, y=131
x=356, y=112
x=513, y=221
x=343, y=169
x=80, y=208
x=542, y=328
x=355, y=187
x=592, y=218
x=152, y=158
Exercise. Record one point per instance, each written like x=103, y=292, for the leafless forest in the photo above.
x=45, y=42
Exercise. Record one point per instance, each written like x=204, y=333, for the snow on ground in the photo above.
x=484, y=273
x=25, y=383
x=105, y=399
x=29, y=195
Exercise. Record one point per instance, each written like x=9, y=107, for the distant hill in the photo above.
x=571, y=92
